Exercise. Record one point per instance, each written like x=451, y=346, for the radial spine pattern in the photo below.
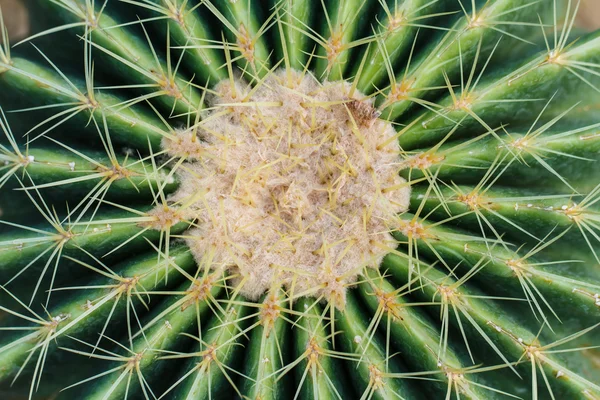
x=347, y=199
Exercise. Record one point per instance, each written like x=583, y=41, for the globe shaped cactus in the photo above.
x=285, y=199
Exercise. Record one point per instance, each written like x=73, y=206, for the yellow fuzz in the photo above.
x=294, y=183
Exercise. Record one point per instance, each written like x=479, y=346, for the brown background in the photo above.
x=15, y=16
x=589, y=15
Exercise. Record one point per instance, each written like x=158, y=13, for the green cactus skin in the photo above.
x=489, y=292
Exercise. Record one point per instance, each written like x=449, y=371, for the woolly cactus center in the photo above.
x=292, y=183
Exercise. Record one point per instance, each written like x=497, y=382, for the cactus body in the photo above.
x=347, y=199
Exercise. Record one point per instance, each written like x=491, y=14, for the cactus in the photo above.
x=348, y=199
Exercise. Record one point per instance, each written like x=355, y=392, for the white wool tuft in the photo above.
x=300, y=184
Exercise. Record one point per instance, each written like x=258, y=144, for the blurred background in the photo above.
x=589, y=15
x=15, y=17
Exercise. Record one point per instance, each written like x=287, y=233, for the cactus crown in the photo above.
x=292, y=182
